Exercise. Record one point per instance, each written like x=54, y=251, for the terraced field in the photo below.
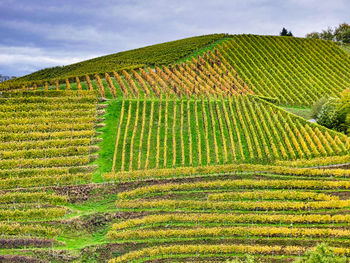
x=226, y=214
x=46, y=139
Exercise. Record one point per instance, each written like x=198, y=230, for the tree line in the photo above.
x=340, y=33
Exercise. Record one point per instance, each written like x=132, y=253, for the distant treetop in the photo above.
x=340, y=33
x=285, y=32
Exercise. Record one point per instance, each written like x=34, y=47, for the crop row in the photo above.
x=39, y=136
x=45, y=144
x=271, y=195
x=48, y=100
x=205, y=171
x=224, y=232
x=65, y=179
x=159, y=252
x=228, y=219
x=198, y=206
x=48, y=152
x=34, y=213
x=47, y=107
x=34, y=197
x=46, y=162
x=48, y=127
x=48, y=93
x=31, y=230
x=54, y=114
x=146, y=191
x=33, y=172
x=47, y=120
x=316, y=161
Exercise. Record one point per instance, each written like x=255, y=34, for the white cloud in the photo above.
x=28, y=59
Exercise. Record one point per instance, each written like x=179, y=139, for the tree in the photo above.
x=341, y=31
x=285, y=32
x=327, y=34
x=334, y=114
x=314, y=35
x=345, y=36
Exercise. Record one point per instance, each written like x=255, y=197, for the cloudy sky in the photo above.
x=43, y=33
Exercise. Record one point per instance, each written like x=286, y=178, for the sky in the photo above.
x=36, y=34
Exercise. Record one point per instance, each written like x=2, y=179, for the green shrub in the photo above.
x=317, y=106
x=328, y=115
x=334, y=114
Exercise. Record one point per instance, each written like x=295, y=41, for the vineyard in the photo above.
x=225, y=214
x=261, y=65
x=177, y=152
x=155, y=134
x=46, y=139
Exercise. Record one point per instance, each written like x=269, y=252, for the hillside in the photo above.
x=164, y=53
x=295, y=71
x=192, y=160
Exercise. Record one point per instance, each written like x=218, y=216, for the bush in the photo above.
x=328, y=115
x=322, y=254
x=335, y=113
x=316, y=108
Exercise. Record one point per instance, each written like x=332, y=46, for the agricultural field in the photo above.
x=188, y=133
x=220, y=215
x=187, y=151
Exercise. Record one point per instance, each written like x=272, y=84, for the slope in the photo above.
x=164, y=53
x=297, y=71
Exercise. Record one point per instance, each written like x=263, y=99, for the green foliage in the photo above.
x=340, y=33
x=317, y=106
x=335, y=112
x=314, y=35
x=159, y=54
x=322, y=254
x=328, y=115
x=327, y=34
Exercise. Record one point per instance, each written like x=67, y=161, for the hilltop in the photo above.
x=159, y=54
